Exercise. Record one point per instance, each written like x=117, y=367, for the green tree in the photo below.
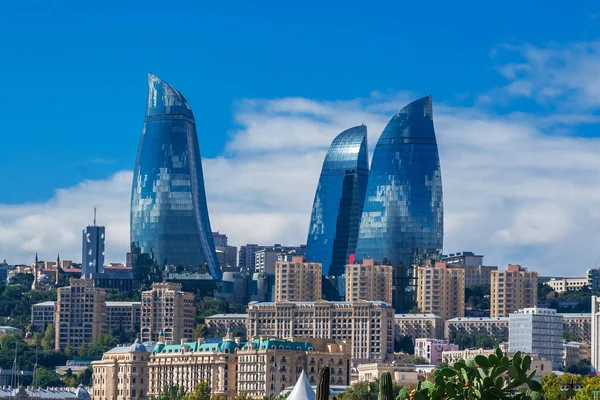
x=484, y=341
x=69, y=351
x=104, y=343
x=49, y=338
x=590, y=385
x=172, y=392
x=241, y=396
x=201, y=392
x=48, y=378
x=25, y=280
x=404, y=344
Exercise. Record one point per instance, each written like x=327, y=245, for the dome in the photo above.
x=81, y=393
x=229, y=346
x=137, y=347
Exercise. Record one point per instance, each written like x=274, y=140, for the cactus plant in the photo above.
x=323, y=385
x=386, y=390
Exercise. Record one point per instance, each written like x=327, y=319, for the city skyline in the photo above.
x=516, y=118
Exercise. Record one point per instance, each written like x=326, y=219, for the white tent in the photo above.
x=302, y=390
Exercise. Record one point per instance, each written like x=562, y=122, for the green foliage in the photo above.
x=416, y=360
x=241, y=396
x=477, y=297
x=16, y=300
x=48, y=378
x=104, y=343
x=172, y=392
x=27, y=354
x=49, y=338
x=583, y=367
x=360, y=391
x=402, y=395
x=480, y=340
x=117, y=295
x=25, y=280
x=493, y=377
x=323, y=384
x=201, y=392
x=208, y=306
x=386, y=390
x=404, y=344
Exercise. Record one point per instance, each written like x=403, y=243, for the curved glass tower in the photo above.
x=170, y=227
x=402, y=221
x=339, y=201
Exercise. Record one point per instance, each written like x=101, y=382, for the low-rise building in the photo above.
x=401, y=374
x=418, y=326
x=452, y=356
x=42, y=315
x=573, y=352
x=494, y=327
x=367, y=325
x=63, y=393
x=561, y=285
x=122, y=374
x=578, y=325
x=218, y=324
x=431, y=349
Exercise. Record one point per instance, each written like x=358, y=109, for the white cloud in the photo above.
x=511, y=190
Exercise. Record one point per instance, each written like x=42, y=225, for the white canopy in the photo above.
x=302, y=390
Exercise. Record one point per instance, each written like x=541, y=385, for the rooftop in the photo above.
x=227, y=316
x=409, y=316
x=45, y=303
x=483, y=319
x=122, y=303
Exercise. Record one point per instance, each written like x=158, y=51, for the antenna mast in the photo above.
x=94, y=216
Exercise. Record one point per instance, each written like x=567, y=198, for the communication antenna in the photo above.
x=94, y=216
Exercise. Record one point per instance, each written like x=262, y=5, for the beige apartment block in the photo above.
x=297, y=280
x=80, y=314
x=578, y=324
x=122, y=374
x=561, y=285
x=478, y=275
x=367, y=325
x=401, y=374
x=494, y=327
x=368, y=281
x=167, y=309
x=512, y=289
x=123, y=316
x=441, y=290
x=418, y=326
x=42, y=315
x=267, y=366
x=218, y=324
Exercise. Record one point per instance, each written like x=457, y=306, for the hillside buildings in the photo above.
x=431, y=349
x=368, y=281
x=494, y=327
x=297, y=280
x=167, y=310
x=441, y=290
x=475, y=272
x=512, y=289
x=418, y=326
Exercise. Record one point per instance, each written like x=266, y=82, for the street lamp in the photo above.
x=572, y=386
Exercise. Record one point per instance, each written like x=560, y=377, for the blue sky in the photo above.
x=260, y=75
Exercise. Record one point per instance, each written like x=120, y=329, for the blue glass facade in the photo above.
x=92, y=253
x=170, y=227
x=402, y=220
x=338, y=203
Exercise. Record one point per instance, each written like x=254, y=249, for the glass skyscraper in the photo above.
x=338, y=203
x=170, y=227
x=402, y=220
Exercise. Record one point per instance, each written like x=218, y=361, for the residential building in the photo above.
x=431, y=349
x=123, y=316
x=80, y=314
x=593, y=278
x=537, y=331
x=452, y=356
x=401, y=374
x=367, y=325
x=297, y=280
x=338, y=202
x=218, y=324
x=475, y=272
x=122, y=374
x=170, y=224
x=561, y=285
x=247, y=257
x=403, y=218
x=512, y=289
x=368, y=281
x=42, y=315
x=169, y=310
x=418, y=326
x=573, y=352
x=578, y=325
x=92, y=252
x=220, y=239
x=441, y=290
x=494, y=327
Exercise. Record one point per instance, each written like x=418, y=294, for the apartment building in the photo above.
x=169, y=310
x=218, y=324
x=80, y=314
x=441, y=290
x=579, y=325
x=494, y=327
x=122, y=374
x=123, y=316
x=368, y=281
x=297, y=280
x=367, y=325
x=475, y=272
x=418, y=326
x=42, y=315
x=512, y=289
